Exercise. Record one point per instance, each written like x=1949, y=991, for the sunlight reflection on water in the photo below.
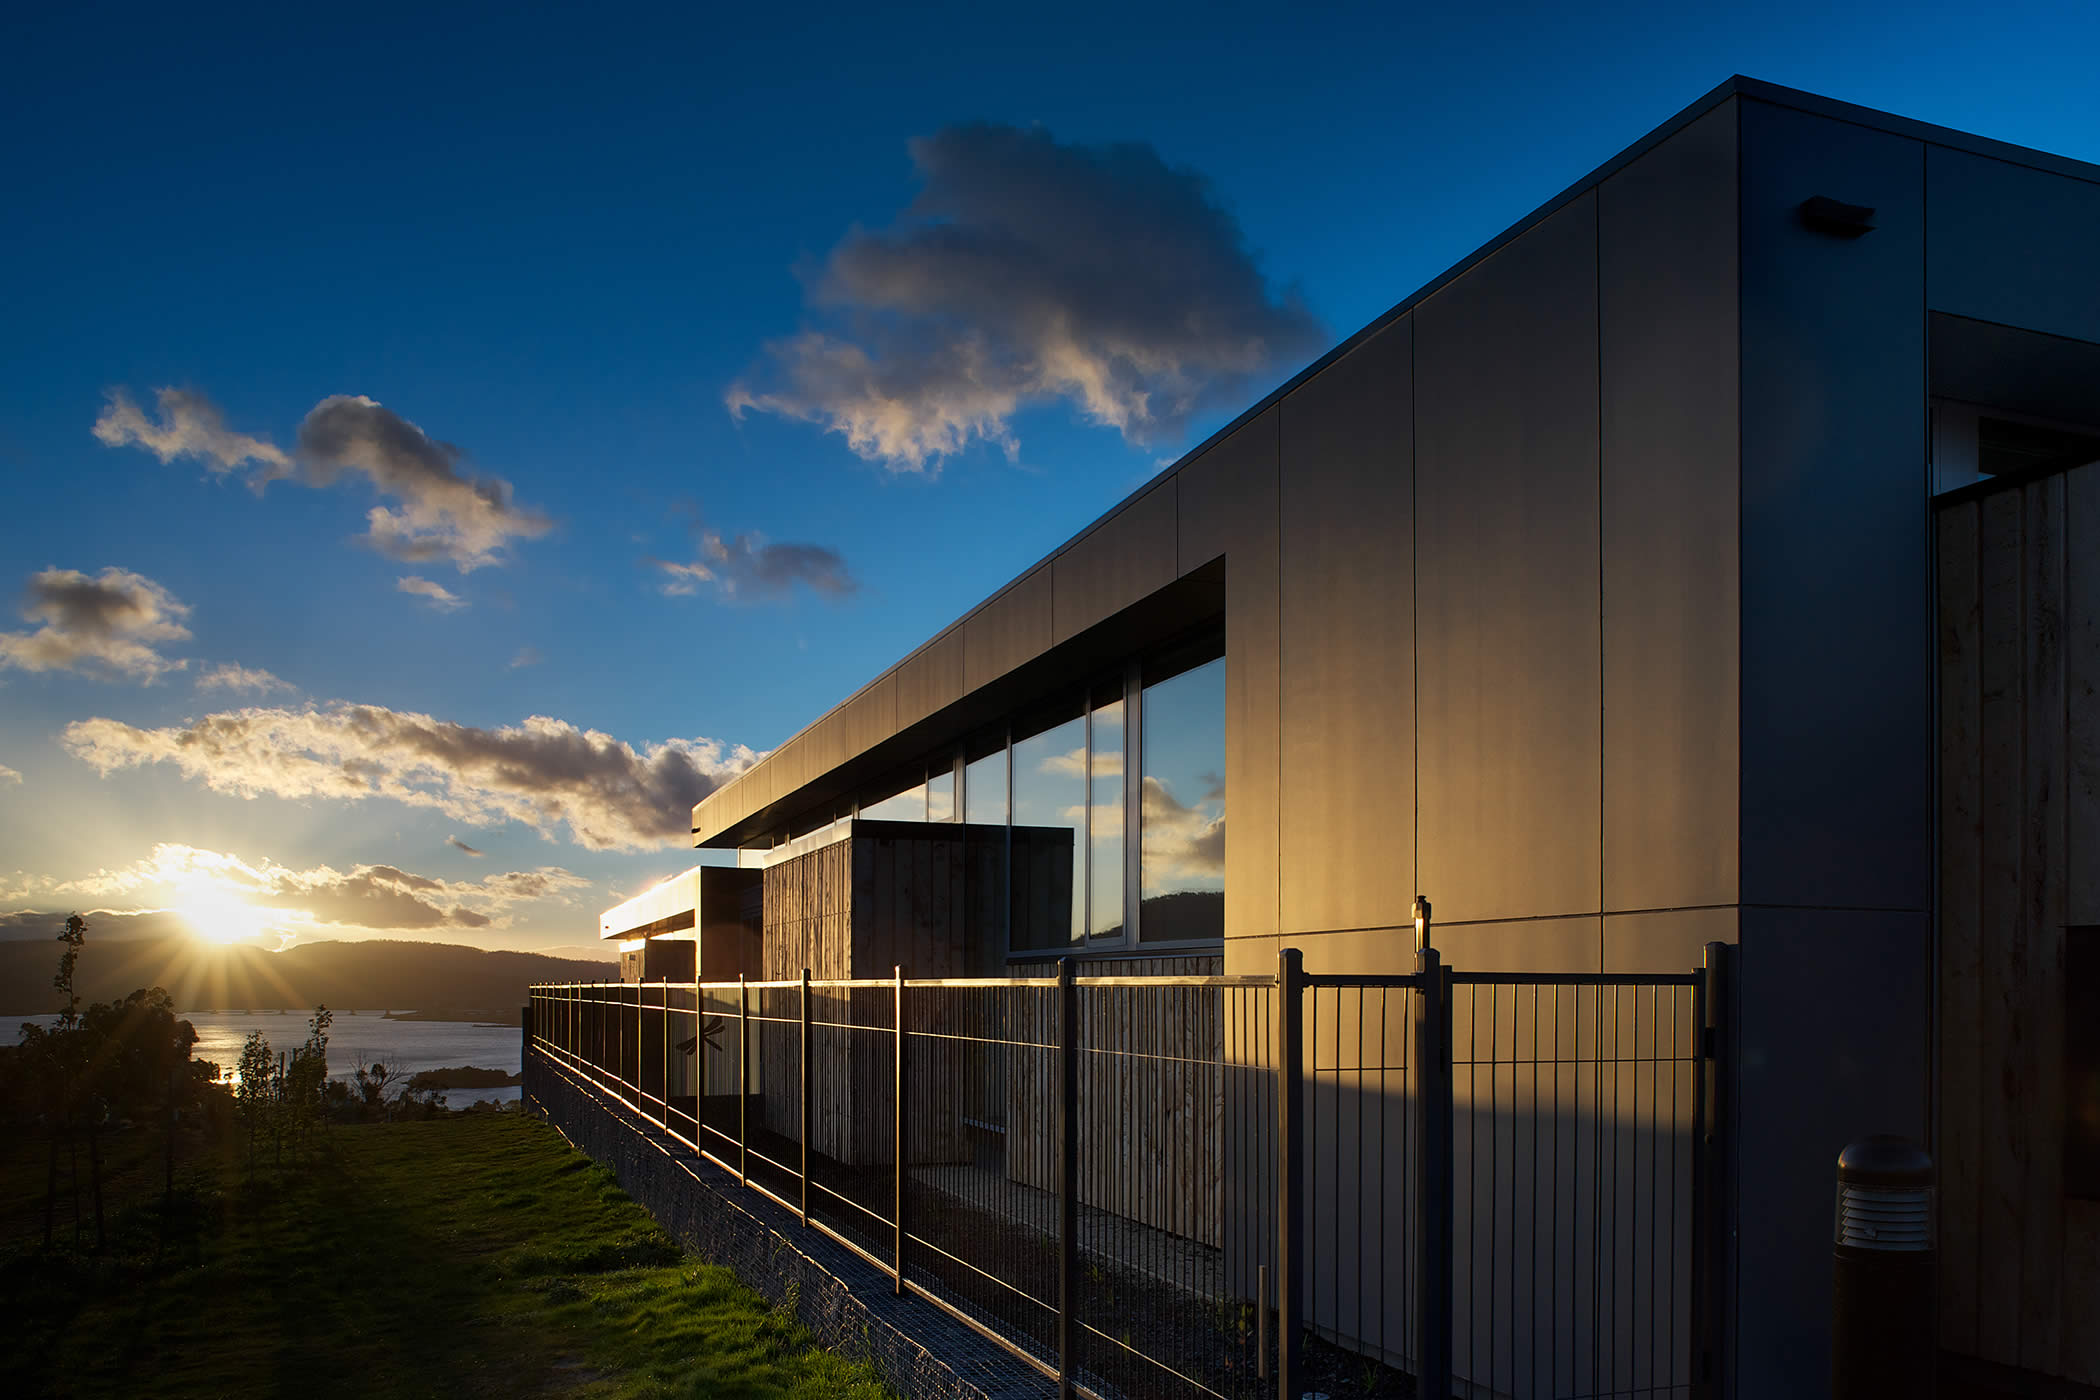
x=411, y=1045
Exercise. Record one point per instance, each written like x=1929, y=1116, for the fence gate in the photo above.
x=1500, y=1184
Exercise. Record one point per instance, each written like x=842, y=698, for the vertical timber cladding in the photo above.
x=1151, y=1096
x=2019, y=658
x=890, y=895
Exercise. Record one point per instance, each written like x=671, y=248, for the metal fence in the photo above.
x=1227, y=1185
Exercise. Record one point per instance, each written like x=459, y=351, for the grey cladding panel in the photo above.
x=1667, y=270
x=1348, y=781
x=2012, y=245
x=1229, y=507
x=930, y=679
x=1507, y=681
x=1837, y=680
x=864, y=721
x=1012, y=628
x=1129, y=555
x=1822, y=1064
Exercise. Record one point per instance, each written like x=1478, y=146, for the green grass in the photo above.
x=477, y=1255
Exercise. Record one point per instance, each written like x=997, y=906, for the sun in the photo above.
x=221, y=916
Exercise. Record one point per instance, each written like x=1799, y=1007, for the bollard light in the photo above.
x=1884, y=1332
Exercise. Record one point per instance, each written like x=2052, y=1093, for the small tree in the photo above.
x=253, y=1093
x=306, y=1080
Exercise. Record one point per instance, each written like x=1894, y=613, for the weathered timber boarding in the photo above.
x=2019, y=659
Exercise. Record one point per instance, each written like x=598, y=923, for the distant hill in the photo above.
x=213, y=977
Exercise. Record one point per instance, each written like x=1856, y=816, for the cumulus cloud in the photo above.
x=108, y=625
x=747, y=566
x=232, y=676
x=458, y=845
x=377, y=897
x=443, y=514
x=545, y=773
x=190, y=426
x=440, y=598
x=439, y=512
x=1030, y=271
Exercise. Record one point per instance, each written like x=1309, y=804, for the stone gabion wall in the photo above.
x=847, y=1304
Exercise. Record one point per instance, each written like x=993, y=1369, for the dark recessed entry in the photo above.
x=2007, y=448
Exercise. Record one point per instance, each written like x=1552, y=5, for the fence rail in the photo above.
x=1231, y=1186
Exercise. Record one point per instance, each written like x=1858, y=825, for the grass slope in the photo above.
x=478, y=1255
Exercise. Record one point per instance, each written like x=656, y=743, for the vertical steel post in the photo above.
x=1067, y=1177
x=1710, y=1153
x=808, y=1116
x=641, y=1034
x=1290, y=1169
x=743, y=1078
x=1433, y=1174
x=897, y=1143
x=663, y=1031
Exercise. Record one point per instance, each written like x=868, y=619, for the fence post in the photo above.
x=1433, y=1174
x=1710, y=1111
x=1290, y=1169
x=1067, y=1177
x=808, y=1117
x=743, y=1077
x=897, y=1143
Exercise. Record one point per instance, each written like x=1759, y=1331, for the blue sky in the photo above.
x=568, y=246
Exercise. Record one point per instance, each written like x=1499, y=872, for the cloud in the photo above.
x=440, y=598
x=443, y=514
x=527, y=656
x=458, y=845
x=377, y=897
x=190, y=426
x=108, y=625
x=545, y=773
x=231, y=676
x=747, y=566
x=1028, y=271
x=440, y=512
x=9, y=775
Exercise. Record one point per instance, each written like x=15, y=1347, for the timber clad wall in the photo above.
x=2019, y=823
x=1152, y=1089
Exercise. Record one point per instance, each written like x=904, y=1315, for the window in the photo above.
x=1048, y=869
x=1182, y=806
x=905, y=800
x=984, y=786
x=1102, y=824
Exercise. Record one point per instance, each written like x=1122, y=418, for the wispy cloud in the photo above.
x=377, y=897
x=527, y=656
x=190, y=426
x=439, y=513
x=546, y=773
x=747, y=566
x=1030, y=271
x=109, y=625
x=9, y=775
x=458, y=845
x=440, y=598
x=231, y=676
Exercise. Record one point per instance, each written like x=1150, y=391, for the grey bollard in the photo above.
x=1884, y=1313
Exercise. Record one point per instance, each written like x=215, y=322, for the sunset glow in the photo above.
x=221, y=916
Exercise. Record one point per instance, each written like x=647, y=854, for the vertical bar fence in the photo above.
x=1433, y=1183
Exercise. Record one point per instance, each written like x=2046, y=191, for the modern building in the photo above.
x=1714, y=556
